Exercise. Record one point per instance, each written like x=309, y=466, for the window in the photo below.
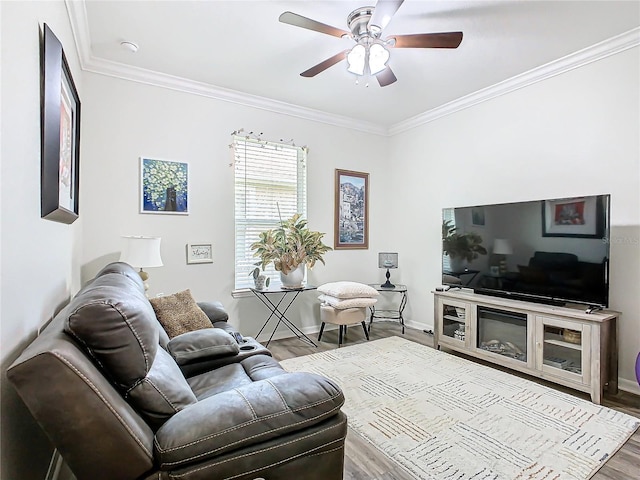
x=447, y=215
x=270, y=184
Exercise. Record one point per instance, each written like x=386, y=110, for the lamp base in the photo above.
x=388, y=284
x=144, y=276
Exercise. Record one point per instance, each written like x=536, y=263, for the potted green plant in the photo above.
x=290, y=247
x=259, y=279
x=462, y=247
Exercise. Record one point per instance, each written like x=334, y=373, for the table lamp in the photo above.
x=387, y=260
x=142, y=252
x=502, y=247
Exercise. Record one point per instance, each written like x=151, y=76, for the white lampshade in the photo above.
x=355, y=59
x=141, y=252
x=375, y=57
x=502, y=246
x=378, y=57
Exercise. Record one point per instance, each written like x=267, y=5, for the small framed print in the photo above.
x=199, y=253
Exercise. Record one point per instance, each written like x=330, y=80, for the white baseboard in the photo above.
x=314, y=329
x=629, y=386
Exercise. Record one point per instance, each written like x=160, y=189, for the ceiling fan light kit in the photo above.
x=370, y=55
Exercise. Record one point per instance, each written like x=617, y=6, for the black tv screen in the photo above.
x=554, y=251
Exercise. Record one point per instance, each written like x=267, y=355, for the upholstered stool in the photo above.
x=342, y=318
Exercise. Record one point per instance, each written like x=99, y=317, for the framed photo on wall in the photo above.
x=351, y=227
x=164, y=186
x=199, y=253
x=60, y=134
x=573, y=217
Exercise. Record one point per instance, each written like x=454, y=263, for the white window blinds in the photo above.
x=447, y=215
x=270, y=184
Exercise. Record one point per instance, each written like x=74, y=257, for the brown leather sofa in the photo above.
x=104, y=382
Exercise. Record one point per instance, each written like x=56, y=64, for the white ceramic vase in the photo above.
x=294, y=278
x=457, y=264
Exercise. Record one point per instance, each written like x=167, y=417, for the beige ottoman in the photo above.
x=342, y=318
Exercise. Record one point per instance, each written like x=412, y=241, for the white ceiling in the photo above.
x=241, y=46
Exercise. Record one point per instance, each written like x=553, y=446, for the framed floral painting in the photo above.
x=164, y=186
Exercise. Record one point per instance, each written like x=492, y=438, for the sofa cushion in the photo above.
x=179, y=313
x=245, y=416
x=163, y=392
x=341, y=304
x=348, y=290
x=113, y=320
x=115, y=323
x=202, y=344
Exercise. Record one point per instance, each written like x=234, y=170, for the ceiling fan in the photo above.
x=370, y=54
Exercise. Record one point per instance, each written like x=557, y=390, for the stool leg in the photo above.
x=340, y=336
x=364, y=327
x=321, y=330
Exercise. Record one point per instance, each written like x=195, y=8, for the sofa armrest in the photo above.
x=199, y=345
x=246, y=415
x=215, y=311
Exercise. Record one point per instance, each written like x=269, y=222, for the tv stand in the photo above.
x=564, y=345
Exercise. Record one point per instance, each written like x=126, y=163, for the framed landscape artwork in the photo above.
x=351, y=229
x=60, y=135
x=164, y=186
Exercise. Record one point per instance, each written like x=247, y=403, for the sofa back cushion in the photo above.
x=114, y=322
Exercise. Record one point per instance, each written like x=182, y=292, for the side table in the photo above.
x=288, y=296
x=390, y=314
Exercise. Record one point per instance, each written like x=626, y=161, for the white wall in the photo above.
x=573, y=134
x=125, y=120
x=39, y=266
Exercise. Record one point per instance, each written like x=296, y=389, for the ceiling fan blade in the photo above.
x=428, y=40
x=383, y=12
x=322, y=66
x=386, y=77
x=304, y=22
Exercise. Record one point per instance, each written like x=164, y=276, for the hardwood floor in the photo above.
x=364, y=462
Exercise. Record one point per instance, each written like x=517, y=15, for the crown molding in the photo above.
x=80, y=27
x=572, y=61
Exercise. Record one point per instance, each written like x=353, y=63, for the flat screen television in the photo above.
x=552, y=251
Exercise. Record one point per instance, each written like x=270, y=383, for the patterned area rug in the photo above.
x=445, y=418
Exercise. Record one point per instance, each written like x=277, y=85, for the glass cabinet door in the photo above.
x=563, y=349
x=455, y=319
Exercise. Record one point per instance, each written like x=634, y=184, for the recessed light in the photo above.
x=130, y=46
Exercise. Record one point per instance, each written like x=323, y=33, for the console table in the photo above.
x=390, y=314
x=563, y=345
x=279, y=307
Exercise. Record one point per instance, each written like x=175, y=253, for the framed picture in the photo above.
x=477, y=216
x=199, y=253
x=60, y=134
x=164, y=186
x=573, y=217
x=351, y=229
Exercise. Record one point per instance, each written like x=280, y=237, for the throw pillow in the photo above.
x=348, y=290
x=342, y=303
x=179, y=313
